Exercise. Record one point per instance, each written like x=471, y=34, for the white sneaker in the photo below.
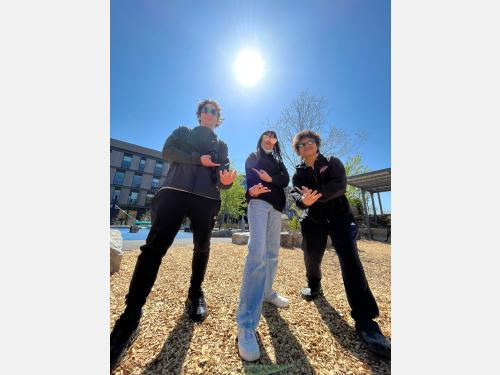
x=277, y=300
x=247, y=344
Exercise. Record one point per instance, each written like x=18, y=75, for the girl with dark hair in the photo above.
x=266, y=178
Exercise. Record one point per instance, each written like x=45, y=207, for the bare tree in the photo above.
x=309, y=112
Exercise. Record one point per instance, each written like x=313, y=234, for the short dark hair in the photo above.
x=203, y=103
x=305, y=134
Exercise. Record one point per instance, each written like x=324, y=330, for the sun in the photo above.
x=249, y=67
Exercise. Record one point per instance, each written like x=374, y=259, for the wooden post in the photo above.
x=365, y=209
x=374, y=210
x=380, y=204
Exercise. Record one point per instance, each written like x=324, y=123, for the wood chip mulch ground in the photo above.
x=306, y=338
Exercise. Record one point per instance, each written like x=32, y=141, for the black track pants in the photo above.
x=343, y=233
x=168, y=210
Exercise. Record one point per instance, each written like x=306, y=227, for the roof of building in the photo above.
x=135, y=148
x=373, y=182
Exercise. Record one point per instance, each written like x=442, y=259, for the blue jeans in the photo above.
x=261, y=263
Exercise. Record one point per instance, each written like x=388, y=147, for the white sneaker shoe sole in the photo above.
x=250, y=357
x=254, y=353
x=281, y=303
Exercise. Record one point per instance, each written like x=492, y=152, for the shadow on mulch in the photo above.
x=174, y=351
x=348, y=338
x=290, y=357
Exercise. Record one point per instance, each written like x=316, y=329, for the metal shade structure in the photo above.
x=372, y=182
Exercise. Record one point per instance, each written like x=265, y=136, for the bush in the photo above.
x=294, y=224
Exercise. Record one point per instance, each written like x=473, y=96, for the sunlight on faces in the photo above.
x=209, y=116
x=249, y=67
x=307, y=147
x=268, y=142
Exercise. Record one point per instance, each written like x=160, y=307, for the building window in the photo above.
x=149, y=198
x=133, y=196
x=158, y=168
x=119, y=177
x=155, y=183
x=127, y=160
x=136, y=181
x=116, y=195
x=142, y=163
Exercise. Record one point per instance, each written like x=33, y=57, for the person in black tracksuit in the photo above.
x=198, y=162
x=319, y=186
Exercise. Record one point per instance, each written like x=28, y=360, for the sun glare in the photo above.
x=249, y=67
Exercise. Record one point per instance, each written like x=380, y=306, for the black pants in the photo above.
x=343, y=233
x=168, y=210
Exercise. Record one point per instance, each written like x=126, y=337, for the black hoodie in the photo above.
x=277, y=170
x=329, y=178
x=183, y=149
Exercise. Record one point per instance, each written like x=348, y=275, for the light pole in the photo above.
x=128, y=207
x=113, y=211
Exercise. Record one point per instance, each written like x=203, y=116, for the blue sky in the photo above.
x=167, y=55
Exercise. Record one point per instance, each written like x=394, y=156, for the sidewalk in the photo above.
x=135, y=244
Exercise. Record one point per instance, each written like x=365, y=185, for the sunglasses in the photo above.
x=212, y=111
x=306, y=143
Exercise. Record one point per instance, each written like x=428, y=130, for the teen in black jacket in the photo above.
x=197, y=171
x=319, y=186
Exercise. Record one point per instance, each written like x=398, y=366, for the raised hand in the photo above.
x=227, y=177
x=263, y=175
x=206, y=161
x=309, y=196
x=258, y=189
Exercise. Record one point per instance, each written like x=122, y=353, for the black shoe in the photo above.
x=374, y=340
x=123, y=335
x=197, y=307
x=311, y=293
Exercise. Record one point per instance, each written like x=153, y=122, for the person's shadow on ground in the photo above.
x=173, y=354
x=348, y=338
x=290, y=357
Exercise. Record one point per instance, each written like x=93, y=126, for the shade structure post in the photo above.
x=365, y=212
x=380, y=204
x=374, y=210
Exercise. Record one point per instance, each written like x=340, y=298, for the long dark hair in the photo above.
x=276, y=150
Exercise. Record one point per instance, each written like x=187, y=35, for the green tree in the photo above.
x=293, y=224
x=233, y=200
x=146, y=216
x=354, y=166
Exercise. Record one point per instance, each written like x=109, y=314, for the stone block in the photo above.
x=286, y=240
x=240, y=238
x=297, y=239
x=116, y=250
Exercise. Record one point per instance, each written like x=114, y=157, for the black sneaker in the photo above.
x=123, y=335
x=197, y=307
x=374, y=340
x=310, y=294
